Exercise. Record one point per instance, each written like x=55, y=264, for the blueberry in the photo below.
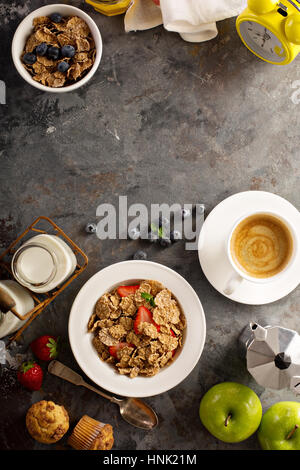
x=200, y=209
x=53, y=52
x=186, y=213
x=165, y=242
x=29, y=58
x=134, y=234
x=68, y=51
x=41, y=49
x=90, y=228
x=140, y=254
x=175, y=235
x=56, y=17
x=63, y=66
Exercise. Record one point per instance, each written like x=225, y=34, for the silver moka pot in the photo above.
x=273, y=356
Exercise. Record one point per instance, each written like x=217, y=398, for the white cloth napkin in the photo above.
x=194, y=20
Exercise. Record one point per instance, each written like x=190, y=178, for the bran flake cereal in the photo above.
x=72, y=31
x=137, y=333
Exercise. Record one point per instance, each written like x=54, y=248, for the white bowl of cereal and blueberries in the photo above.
x=137, y=328
x=57, y=48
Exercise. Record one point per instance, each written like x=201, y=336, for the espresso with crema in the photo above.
x=261, y=245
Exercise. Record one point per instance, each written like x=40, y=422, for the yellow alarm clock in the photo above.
x=271, y=29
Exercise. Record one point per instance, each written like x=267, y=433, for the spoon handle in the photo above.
x=102, y=394
x=64, y=372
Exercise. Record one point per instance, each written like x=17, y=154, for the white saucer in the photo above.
x=212, y=251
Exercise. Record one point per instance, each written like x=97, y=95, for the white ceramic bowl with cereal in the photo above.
x=25, y=29
x=106, y=375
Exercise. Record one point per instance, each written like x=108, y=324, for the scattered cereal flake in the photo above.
x=39, y=68
x=91, y=322
x=59, y=26
x=114, y=315
x=115, y=299
x=31, y=43
x=148, y=329
x=165, y=358
x=104, y=307
x=117, y=331
x=125, y=351
x=82, y=44
x=159, y=316
x=100, y=348
x=144, y=288
x=126, y=322
x=106, y=338
x=45, y=35
x=128, y=306
x=182, y=323
x=163, y=298
x=124, y=371
x=133, y=338
x=134, y=372
x=173, y=313
x=123, y=361
x=45, y=61
x=106, y=323
x=137, y=361
x=78, y=25
x=81, y=56
x=41, y=77
x=149, y=371
x=156, y=287
x=74, y=71
x=56, y=80
x=41, y=20
x=152, y=358
x=175, y=330
x=65, y=39
x=170, y=341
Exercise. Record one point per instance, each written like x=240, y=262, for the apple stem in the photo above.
x=227, y=419
x=292, y=431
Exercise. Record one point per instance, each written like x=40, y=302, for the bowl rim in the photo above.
x=157, y=389
x=23, y=72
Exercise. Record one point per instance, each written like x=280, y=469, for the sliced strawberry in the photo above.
x=173, y=334
x=124, y=291
x=143, y=315
x=113, y=350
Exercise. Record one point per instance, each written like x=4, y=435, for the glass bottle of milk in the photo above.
x=9, y=323
x=43, y=263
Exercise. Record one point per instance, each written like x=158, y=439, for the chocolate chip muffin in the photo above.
x=47, y=422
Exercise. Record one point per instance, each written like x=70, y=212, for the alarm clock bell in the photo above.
x=271, y=29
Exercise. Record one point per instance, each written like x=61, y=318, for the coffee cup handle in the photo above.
x=233, y=282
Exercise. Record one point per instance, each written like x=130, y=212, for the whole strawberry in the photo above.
x=45, y=347
x=30, y=375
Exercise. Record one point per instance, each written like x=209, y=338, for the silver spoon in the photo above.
x=133, y=410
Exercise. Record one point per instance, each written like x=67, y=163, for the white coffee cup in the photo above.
x=238, y=275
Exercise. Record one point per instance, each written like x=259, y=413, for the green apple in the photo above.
x=279, y=427
x=230, y=411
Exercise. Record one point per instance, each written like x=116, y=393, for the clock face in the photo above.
x=262, y=41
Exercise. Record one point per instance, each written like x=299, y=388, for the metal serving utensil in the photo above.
x=133, y=410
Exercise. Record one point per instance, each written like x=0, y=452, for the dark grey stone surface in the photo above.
x=161, y=121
